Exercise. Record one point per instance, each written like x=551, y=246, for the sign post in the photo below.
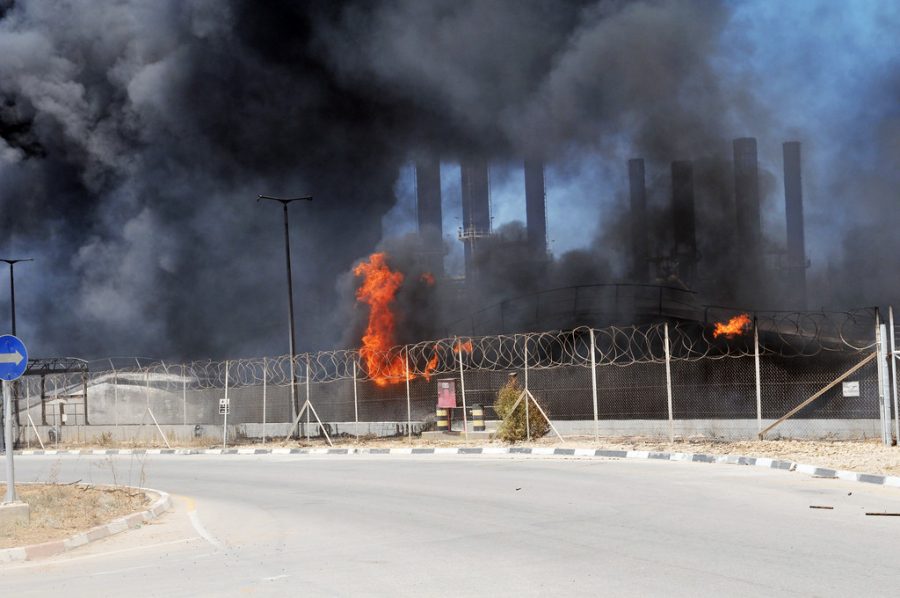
x=13, y=361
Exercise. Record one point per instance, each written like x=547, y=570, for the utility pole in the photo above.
x=12, y=287
x=295, y=404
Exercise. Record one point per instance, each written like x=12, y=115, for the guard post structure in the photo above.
x=445, y=404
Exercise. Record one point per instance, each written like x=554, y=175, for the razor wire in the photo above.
x=783, y=334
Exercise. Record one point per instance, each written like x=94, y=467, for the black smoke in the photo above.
x=134, y=137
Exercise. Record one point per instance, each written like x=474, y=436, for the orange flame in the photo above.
x=430, y=366
x=378, y=290
x=734, y=327
x=427, y=278
x=465, y=347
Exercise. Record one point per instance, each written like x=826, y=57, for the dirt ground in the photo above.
x=59, y=511
x=864, y=456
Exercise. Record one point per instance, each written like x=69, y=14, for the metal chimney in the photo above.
x=428, y=202
x=793, y=207
x=476, y=210
x=639, y=253
x=746, y=194
x=535, y=206
x=685, y=252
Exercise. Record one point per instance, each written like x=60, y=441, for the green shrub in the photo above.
x=513, y=428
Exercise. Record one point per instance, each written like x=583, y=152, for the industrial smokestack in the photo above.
x=639, y=253
x=685, y=253
x=793, y=207
x=746, y=195
x=536, y=207
x=428, y=202
x=476, y=210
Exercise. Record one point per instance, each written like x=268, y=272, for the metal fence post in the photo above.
x=408, y=402
x=307, y=397
x=227, y=409
x=893, y=359
x=25, y=430
x=669, y=383
x=43, y=400
x=758, y=380
x=294, y=403
x=884, y=404
x=115, y=398
x=355, y=402
x=527, y=414
x=594, y=388
x=84, y=390
x=462, y=389
x=184, y=394
x=265, y=375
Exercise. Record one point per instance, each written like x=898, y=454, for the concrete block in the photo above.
x=13, y=513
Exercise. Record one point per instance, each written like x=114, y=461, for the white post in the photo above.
x=355, y=402
x=227, y=409
x=265, y=372
x=294, y=413
x=57, y=417
x=184, y=394
x=307, y=397
x=146, y=399
x=408, y=402
x=8, y=431
x=893, y=359
x=28, y=415
x=527, y=391
x=884, y=402
x=462, y=389
x=115, y=398
x=594, y=390
x=758, y=378
x=669, y=383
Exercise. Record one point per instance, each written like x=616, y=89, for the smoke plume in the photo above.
x=135, y=137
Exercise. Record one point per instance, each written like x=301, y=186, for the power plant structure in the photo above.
x=662, y=277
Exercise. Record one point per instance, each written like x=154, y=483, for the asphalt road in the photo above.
x=471, y=526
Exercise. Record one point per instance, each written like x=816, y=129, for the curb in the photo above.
x=811, y=470
x=47, y=549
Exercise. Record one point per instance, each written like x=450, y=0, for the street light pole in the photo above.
x=295, y=404
x=12, y=288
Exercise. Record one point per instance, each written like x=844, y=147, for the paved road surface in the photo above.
x=473, y=526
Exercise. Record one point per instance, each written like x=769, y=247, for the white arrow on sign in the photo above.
x=15, y=358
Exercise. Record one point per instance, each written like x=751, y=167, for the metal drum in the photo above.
x=443, y=419
x=477, y=418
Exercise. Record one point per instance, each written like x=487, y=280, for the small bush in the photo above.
x=513, y=428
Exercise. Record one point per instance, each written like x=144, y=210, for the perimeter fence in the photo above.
x=827, y=370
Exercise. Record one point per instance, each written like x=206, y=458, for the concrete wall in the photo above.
x=181, y=435
x=721, y=429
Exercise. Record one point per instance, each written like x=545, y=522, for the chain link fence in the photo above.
x=660, y=380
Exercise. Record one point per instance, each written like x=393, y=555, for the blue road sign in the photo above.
x=13, y=357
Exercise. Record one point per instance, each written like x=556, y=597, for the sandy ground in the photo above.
x=59, y=511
